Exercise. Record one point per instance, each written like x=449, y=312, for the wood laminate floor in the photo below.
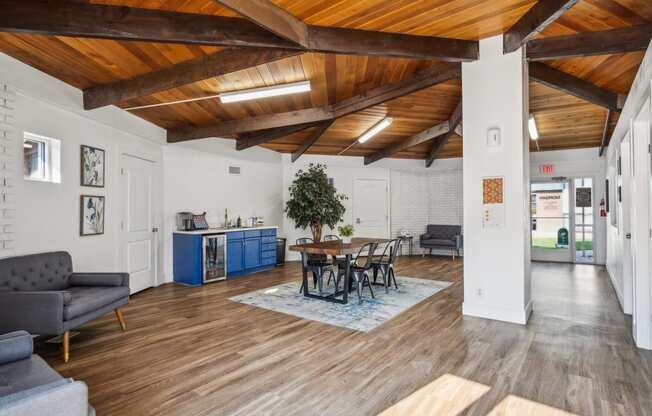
x=190, y=351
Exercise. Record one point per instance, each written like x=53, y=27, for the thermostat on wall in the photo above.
x=493, y=137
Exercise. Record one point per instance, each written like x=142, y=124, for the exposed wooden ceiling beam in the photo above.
x=271, y=17
x=577, y=87
x=219, y=63
x=543, y=13
x=319, y=131
x=436, y=74
x=608, y=42
x=79, y=19
x=426, y=78
x=247, y=140
x=453, y=122
x=605, y=134
x=422, y=137
x=363, y=42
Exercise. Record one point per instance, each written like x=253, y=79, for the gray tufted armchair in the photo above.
x=39, y=293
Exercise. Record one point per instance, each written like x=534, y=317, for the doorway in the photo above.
x=137, y=233
x=371, y=208
x=562, y=220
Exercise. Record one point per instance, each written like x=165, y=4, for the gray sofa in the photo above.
x=29, y=387
x=39, y=293
x=442, y=237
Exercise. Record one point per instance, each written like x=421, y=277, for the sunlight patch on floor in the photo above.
x=513, y=405
x=447, y=396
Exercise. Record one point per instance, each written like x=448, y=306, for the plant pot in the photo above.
x=346, y=240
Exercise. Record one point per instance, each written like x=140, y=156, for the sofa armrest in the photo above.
x=99, y=279
x=458, y=241
x=63, y=397
x=425, y=236
x=35, y=312
x=15, y=346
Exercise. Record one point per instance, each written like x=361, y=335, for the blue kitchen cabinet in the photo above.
x=247, y=251
x=252, y=253
x=234, y=256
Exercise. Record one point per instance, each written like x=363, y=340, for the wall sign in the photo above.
x=493, y=201
x=583, y=197
x=546, y=169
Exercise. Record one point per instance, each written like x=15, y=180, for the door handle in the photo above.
x=628, y=236
x=155, y=230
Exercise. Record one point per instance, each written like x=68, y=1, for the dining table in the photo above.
x=335, y=248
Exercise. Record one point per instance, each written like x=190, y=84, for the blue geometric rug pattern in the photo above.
x=285, y=298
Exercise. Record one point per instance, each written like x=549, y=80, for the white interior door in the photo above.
x=137, y=223
x=640, y=228
x=624, y=219
x=371, y=208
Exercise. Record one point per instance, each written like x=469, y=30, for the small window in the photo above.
x=41, y=158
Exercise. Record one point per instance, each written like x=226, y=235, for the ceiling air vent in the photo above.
x=234, y=170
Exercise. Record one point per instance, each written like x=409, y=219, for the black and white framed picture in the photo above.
x=91, y=215
x=92, y=166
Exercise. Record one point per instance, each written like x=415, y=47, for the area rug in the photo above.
x=368, y=315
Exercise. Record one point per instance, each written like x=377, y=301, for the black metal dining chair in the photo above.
x=360, y=271
x=340, y=261
x=385, y=264
x=315, y=264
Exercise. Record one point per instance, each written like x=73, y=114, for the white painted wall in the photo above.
x=196, y=179
x=424, y=207
x=497, y=260
x=48, y=214
x=573, y=164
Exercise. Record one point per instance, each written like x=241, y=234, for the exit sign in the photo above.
x=547, y=169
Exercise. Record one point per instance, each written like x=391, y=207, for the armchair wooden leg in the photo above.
x=66, y=346
x=121, y=319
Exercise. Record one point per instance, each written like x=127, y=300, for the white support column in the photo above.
x=496, y=252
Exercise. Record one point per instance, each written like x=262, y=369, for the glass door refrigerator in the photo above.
x=214, y=258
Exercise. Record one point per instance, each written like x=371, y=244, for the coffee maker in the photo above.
x=187, y=221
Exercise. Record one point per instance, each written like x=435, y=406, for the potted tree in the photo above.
x=314, y=202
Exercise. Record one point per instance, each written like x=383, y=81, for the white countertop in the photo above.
x=225, y=230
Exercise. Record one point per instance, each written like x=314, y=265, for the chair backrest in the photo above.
x=444, y=231
x=370, y=248
x=46, y=271
x=331, y=237
x=389, y=253
x=304, y=256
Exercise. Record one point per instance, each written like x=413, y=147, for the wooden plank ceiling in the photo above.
x=564, y=121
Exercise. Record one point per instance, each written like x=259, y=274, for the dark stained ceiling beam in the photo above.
x=319, y=131
x=372, y=43
x=422, y=137
x=454, y=121
x=608, y=42
x=271, y=17
x=605, y=134
x=79, y=19
x=542, y=14
x=217, y=64
x=577, y=87
x=247, y=140
x=434, y=75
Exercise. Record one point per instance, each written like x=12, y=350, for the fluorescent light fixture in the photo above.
x=273, y=91
x=532, y=126
x=383, y=124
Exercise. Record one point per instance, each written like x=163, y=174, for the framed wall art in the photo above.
x=92, y=166
x=91, y=212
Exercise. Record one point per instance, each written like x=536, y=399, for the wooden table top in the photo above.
x=336, y=247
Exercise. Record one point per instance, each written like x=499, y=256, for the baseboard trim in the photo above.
x=617, y=289
x=496, y=313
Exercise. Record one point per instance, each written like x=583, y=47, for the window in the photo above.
x=41, y=158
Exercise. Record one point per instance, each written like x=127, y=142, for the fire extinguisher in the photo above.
x=603, y=211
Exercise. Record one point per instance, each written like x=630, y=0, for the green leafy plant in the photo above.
x=346, y=230
x=314, y=202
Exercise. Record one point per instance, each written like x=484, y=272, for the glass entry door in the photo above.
x=550, y=206
x=583, y=220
